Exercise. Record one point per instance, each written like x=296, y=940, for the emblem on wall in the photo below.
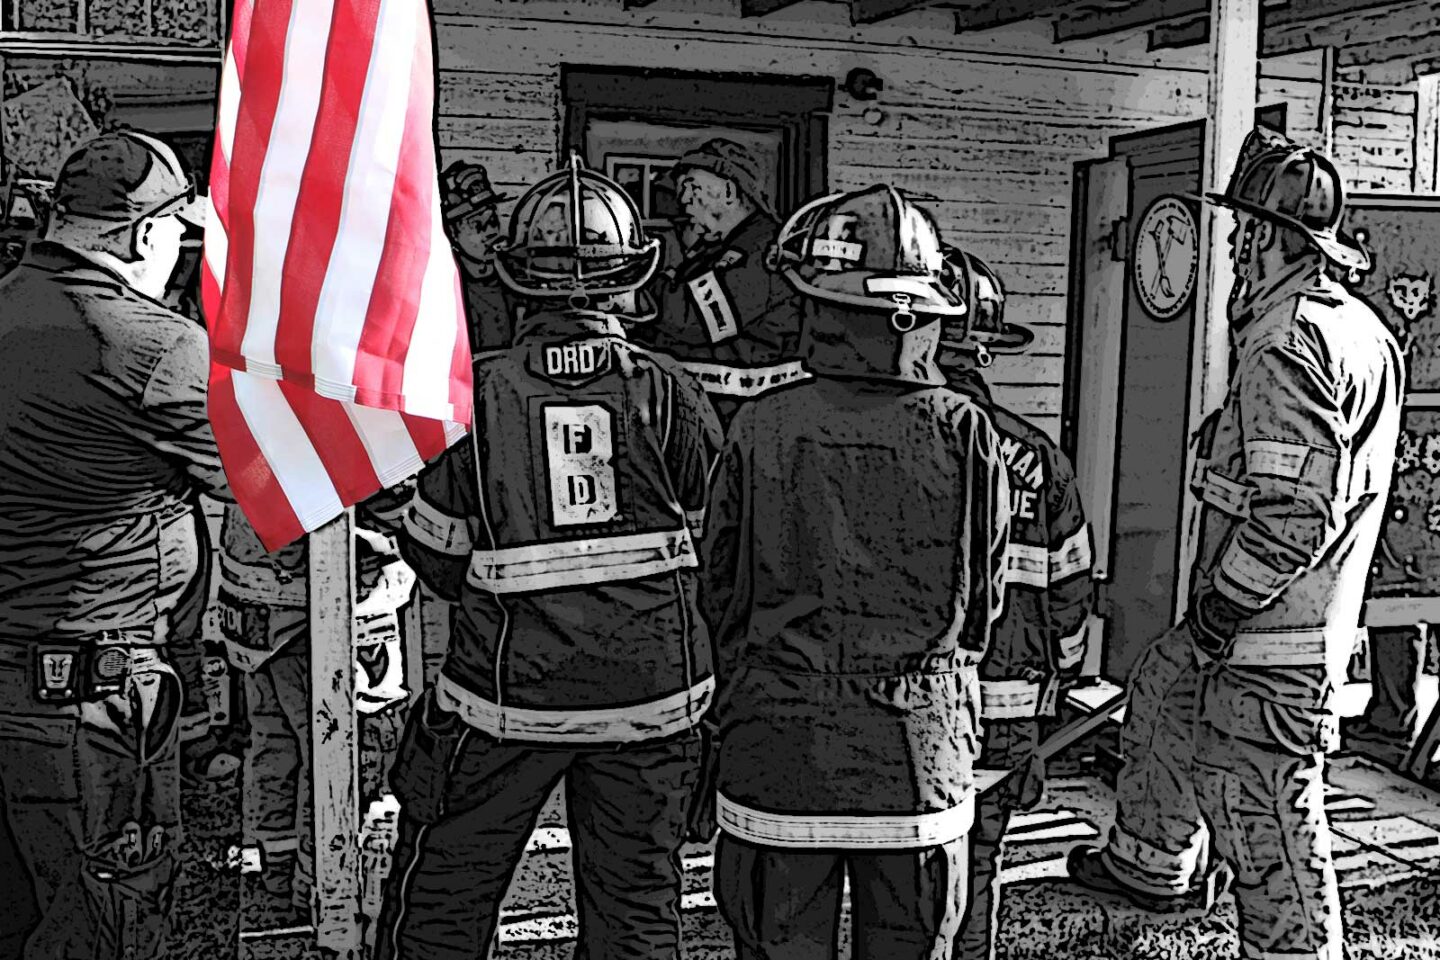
x=1412, y=297
x=1166, y=257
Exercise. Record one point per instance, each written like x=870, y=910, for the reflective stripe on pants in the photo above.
x=1264, y=802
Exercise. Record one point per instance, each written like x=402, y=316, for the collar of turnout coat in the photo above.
x=1301, y=280
x=746, y=242
x=863, y=346
x=564, y=324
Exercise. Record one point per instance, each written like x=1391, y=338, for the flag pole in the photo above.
x=334, y=756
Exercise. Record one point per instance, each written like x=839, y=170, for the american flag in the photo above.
x=339, y=357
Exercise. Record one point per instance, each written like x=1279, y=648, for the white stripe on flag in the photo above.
x=227, y=111
x=287, y=449
x=217, y=244
x=387, y=442
x=341, y=310
x=290, y=139
x=432, y=344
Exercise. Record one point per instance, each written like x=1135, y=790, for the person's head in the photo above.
x=1288, y=202
x=125, y=201
x=718, y=186
x=602, y=268
x=869, y=268
x=972, y=341
x=472, y=216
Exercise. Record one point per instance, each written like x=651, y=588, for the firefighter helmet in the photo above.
x=467, y=191
x=872, y=249
x=1299, y=187
x=986, y=330
x=576, y=235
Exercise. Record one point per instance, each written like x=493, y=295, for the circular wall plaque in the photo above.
x=1166, y=257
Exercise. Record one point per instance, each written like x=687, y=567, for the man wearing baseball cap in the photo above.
x=729, y=320
x=105, y=444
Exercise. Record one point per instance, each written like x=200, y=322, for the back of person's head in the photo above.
x=126, y=199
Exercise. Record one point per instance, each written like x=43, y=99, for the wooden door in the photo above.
x=1129, y=358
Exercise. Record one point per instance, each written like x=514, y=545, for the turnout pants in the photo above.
x=1008, y=744
x=785, y=904
x=468, y=806
x=276, y=806
x=1397, y=663
x=1263, y=803
x=91, y=797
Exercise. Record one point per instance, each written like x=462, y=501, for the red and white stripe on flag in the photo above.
x=339, y=357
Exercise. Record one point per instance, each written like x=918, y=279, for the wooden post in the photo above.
x=1234, y=68
x=334, y=757
x=1427, y=133
x=1327, y=101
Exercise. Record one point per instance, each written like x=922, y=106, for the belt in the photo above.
x=17, y=653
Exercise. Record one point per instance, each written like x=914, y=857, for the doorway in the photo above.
x=633, y=125
x=1128, y=358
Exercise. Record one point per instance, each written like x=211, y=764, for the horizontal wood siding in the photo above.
x=1374, y=137
x=992, y=140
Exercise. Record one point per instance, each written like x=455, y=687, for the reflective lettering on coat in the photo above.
x=579, y=450
x=574, y=359
x=713, y=304
x=1027, y=476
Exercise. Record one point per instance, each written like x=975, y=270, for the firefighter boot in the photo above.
x=1086, y=866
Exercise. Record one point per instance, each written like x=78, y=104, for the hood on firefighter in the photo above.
x=1280, y=181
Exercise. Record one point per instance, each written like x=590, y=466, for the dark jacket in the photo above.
x=1049, y=562
x=732, y=322
x=855, y=553
x=563, y=528
x=104, y=442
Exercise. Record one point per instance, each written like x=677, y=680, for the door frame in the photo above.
x=798, y=108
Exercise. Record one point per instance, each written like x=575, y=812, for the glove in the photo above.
x=1213, y=621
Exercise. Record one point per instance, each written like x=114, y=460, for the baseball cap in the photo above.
x=127, y=176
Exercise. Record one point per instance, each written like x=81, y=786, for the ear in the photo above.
x=142, y=238
x=1266, y=235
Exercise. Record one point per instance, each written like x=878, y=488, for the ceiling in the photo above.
x=1400, y=36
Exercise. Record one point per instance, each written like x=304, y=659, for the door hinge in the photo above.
x=1119, y=239
x=1101, y=599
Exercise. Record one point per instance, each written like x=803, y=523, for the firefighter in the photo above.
x=472, y=217
x=731, y=321
x=561, y=532
x=1232, y=712
x=855, y=551
x=1039, y=643
x=263, y=600
x=106, y=444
